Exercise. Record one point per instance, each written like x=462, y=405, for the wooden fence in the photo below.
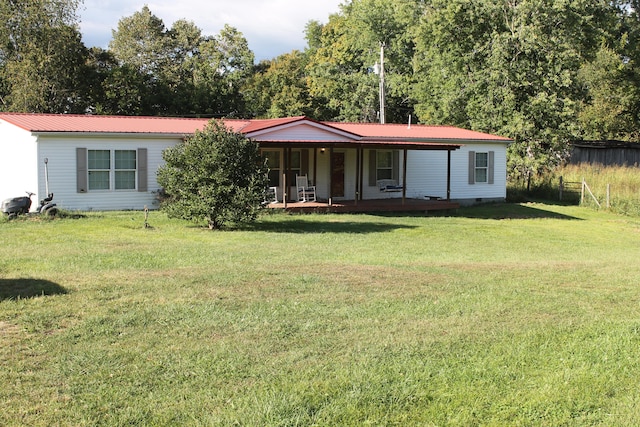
x=568, y=186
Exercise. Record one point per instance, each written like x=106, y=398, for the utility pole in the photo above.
x=382, y=95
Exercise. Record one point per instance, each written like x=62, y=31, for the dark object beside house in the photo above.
x=606, y=153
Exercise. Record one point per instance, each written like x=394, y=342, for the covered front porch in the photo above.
x=356, y=167
x=364, y=206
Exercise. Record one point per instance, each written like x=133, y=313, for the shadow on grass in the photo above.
x=28, y=288
x=509, y=211
x=321, y=226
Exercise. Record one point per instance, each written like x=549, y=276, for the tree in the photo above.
x=510, y=67
x=223, y=66
x=42, y=58
x=611, y=106
x=279, y=88
x=216, y=176
x=179, y=71
x=343, y=52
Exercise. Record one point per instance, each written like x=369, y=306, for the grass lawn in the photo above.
x=502, y=315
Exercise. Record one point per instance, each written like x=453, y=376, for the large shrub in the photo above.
x=216, y=176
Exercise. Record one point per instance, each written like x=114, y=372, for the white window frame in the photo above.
x=387, y=155
x=483, y=170
x=113, y=171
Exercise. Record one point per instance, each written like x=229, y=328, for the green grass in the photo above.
x=522, y=314
x=623, y=182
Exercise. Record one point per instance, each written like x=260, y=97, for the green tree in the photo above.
x=510, y=67
x=42, y=58
x=216, y=176
x=179, y=71
x=343, y=52
x=279, y=88
x=610, y=110
x=222, y=68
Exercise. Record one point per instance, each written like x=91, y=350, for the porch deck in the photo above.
x=362, y=206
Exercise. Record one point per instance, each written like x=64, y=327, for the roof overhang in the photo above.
x=363, y=143
x=127, y=135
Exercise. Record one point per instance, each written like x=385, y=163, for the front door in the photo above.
x=337, y=175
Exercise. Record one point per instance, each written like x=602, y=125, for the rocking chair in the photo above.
x=306, y=192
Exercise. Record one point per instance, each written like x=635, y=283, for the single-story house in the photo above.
x=109, y=162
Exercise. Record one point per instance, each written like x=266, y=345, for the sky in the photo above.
x=271, y=27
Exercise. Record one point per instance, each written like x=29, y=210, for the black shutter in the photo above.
x=491, y=162
x=81, y=170
x=142, y=169
x=395, y=173
x=472, y=167
x=373, y=168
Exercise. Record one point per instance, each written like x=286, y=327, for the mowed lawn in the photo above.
x=501, y=315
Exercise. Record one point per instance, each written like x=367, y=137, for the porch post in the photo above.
x=285, y=192
x=404, y=176
x=361, y=150
x=315, y=166
x=448, y=175
x=330, y=175
x=357, y=195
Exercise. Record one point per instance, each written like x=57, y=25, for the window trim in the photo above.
x=473, y=168
x=82, y=170
x=482, y=169
x=373, y=166
x=387, y=169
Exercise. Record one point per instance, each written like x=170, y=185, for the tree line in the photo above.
x=543, y=72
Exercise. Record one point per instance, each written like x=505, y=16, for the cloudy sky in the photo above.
x=272, y=27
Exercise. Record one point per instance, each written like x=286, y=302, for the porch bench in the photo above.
x=389, y=186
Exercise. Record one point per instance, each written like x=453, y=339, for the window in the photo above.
x=273, y=163
x=111, y=169
x=99, y=165
x=482, y=167
x=384, y=164
x=295, y=167
x=125, y=169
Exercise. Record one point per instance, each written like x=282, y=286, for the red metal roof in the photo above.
x=364, y=132
x=41, y=123
x=412, y=132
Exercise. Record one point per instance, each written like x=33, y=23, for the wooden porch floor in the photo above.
x=380, y=205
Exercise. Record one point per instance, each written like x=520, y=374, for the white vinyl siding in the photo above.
x=21, y=167
x=65, y=167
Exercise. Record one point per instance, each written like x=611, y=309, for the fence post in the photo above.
x=561, y=187
x=582, y=192
x=608, y=195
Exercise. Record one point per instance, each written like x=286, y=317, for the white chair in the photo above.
x=306, y=192
x=271, y=195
